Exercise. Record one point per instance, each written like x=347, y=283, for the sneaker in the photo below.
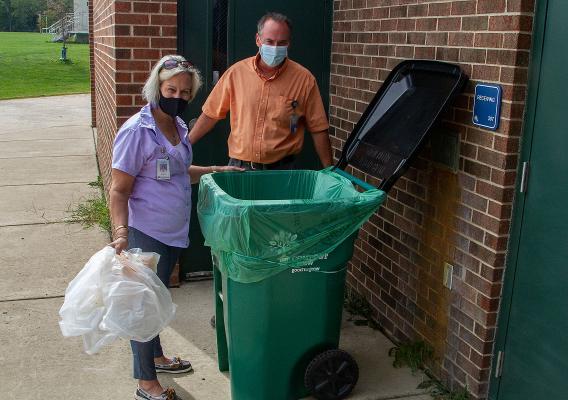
x=168, y=394
x=176, y=366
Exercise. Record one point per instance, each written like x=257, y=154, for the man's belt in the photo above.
x=275, y=165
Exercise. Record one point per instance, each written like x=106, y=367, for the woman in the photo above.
x=150, y=196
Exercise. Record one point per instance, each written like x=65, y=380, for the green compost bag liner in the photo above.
x=261, y=223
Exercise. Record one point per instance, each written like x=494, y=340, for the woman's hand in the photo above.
x=119, y=244
x=197, y=171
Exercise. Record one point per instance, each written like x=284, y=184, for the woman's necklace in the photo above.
x=174, y=140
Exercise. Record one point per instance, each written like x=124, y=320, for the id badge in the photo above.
x=294, y=123
x=163, y=169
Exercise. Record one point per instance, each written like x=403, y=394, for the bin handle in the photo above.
x=353, y=179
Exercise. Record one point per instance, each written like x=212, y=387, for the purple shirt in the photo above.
x=158, y=208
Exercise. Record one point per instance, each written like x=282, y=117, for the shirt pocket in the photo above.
x=149, y=168
x=280, y=110
x=177, y=165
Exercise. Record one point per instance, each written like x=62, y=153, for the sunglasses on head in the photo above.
x=171, y=64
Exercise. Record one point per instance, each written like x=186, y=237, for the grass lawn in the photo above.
x=30, y=66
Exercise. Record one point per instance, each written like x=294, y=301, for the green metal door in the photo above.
x=532, y=347
x=213, y=34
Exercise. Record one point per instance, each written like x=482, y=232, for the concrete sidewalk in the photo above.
x=47, y=157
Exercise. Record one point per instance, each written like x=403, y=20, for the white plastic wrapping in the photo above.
x=116, y=296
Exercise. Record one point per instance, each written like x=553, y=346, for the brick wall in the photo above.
x=434, y=215
x=128, y=38
x=92, y=65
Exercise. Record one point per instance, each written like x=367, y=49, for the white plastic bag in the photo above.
x=116, y=296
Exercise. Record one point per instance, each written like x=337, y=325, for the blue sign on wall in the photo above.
x=487, y=106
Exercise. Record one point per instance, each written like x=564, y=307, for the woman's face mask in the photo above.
x=273, y=55
x=173, y=106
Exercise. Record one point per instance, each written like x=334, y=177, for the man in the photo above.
x=272, y=100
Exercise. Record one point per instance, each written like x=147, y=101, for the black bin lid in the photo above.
x=398, y=119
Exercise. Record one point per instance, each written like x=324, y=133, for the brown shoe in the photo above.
x=176, y=366
x=168, y=394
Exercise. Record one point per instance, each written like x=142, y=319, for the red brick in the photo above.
x=493, y=40
x=163, y=20
x=449, y=24
x=436, y=38
x=123, y=77
x=132, y=42
x=461, y=39
x=447, y=54
x=510, y=23
x=146, y=54
x=477, y=169
x=506, y=144
x=122, y=6
x=416, y=38
x=406, y=25
x=122, y=30
x=439, y=9
x=123, y=54
x=130, y=65
x=163, y=43
x=491, y=6
x=146, y=7
x=486, y=73
x=487, y=304
x=463, y=7
x=146, y=30
x=131, y=19
x=526, y=6
x=426, y=53
x=495, y=243
x=124, y=100
x=477, y=23
x=398, y=12
x=124, y=88
x=503, y=178
x=417, y=10
x=494, y=192
x=473, y=56
x=126, y=112
x=426, y=24
x=139, y=77
x=516, y=40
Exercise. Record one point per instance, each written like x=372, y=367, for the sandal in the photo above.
x=176, y=366
x=168, y=394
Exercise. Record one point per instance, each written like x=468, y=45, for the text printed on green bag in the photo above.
x=310, y=269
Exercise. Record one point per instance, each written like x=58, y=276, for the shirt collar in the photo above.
x=279, y=71
x=147, y=121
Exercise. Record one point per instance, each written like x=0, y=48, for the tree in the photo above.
x=26, y=14
x=6, y=16
x=22, y=15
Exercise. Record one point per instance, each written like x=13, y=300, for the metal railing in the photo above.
x=71, y=22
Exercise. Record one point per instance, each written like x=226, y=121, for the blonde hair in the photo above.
x=151, y=89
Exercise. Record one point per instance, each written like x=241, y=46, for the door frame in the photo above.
x=539, y=27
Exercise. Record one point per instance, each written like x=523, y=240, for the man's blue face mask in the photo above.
x=273, y=55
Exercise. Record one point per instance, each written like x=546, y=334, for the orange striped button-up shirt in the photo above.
x=261, y=109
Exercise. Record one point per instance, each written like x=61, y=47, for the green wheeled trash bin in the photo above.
x=281, y=240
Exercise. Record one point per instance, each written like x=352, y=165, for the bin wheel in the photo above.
x=331, y=375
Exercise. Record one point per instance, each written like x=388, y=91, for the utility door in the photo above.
x=214, y=34
x=533, y=331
